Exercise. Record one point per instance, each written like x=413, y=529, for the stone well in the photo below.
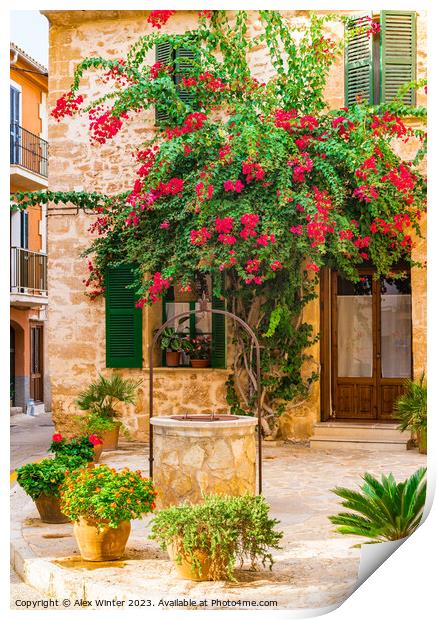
x=195, y=457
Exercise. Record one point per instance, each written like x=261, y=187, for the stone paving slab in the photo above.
x=316, y=568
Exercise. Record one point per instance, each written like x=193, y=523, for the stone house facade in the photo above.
x=77, y=325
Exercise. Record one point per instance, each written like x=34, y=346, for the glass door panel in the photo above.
x=395, y=328
x=355, y=328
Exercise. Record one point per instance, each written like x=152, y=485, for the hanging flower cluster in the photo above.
x=159, y=18
x=66, y=105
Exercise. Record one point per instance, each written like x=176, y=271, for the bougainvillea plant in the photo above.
x=106, y=496
x=256, y=183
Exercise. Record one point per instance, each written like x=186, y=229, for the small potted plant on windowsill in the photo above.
x=200, y=353
x=101, y=502
x=173, y=344
x=205, y=540
x=100, y=399
x=41, y=481
x=87, y=447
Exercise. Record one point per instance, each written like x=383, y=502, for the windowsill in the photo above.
x=176, y=369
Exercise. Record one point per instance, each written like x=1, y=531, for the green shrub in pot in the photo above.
x=41, y=481
x=223, y=529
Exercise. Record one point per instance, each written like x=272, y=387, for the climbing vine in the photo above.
x=255, y=183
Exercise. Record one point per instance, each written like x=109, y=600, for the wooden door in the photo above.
x=36, y=362
x=371, y=345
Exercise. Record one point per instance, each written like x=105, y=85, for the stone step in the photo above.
x=359, y=432
x=358, y=444
x=16, y=410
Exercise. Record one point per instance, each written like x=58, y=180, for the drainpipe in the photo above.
x=15, y=58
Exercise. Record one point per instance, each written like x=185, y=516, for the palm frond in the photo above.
x=383, y=510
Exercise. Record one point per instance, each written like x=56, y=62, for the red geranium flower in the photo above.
x=57, y=437
x=96, y=441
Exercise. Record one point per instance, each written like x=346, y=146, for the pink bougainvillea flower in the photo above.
x=159, y=18
x=313, y=267
x=164, y=224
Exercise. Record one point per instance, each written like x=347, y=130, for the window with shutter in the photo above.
x=219, y=339
x=123, y=320
x=164, y=53
x=398, y=53
x=181, y=61
x=183, y=67
x=212, y=325
x=358, y=62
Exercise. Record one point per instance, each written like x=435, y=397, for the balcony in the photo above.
x=28, y=278
x=29, y=159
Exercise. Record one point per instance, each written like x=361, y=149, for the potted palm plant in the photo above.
x=411, y=411
x=100, y=399
x=41, y=481
x=101, y=502
x=382, y=511
x=205, y=540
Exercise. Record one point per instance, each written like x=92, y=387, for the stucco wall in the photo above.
x=76, y=324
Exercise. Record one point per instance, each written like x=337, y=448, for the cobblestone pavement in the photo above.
x=30, y=438
x=315, y=567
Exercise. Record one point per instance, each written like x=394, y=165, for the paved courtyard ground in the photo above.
x=315, y=567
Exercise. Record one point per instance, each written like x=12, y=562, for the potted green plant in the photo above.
x=200, y=352
x=102, y=502
x=205, y=540
x=384, y=510
x=100, y=399
x=173, y=343
x=87, y=447
x=411, y=410
x=41, y=481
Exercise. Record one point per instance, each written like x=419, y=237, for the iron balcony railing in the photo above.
x=28, y=272
x=28, y=150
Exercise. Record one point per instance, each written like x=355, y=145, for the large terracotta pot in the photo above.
x=184, y=569
x=49, y=509
x=172, y=358
x=199, y=363
x=422, y=439
x=110, y=438
x=97, y=452
x=101, y=546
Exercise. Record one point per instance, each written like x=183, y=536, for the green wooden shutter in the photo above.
x=398, y=53
x=218, y=349
x=184, y=67
x=124, y=347
x=164, y=54
x=358, y=63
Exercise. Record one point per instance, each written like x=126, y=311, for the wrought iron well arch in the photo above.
x=203, y=309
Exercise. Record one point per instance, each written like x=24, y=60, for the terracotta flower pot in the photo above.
x=184, y=569
x=110, y=438
x=199, y=363
x=49, y=509
x=97, y=452
x=101, y=546
x=172, y=358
